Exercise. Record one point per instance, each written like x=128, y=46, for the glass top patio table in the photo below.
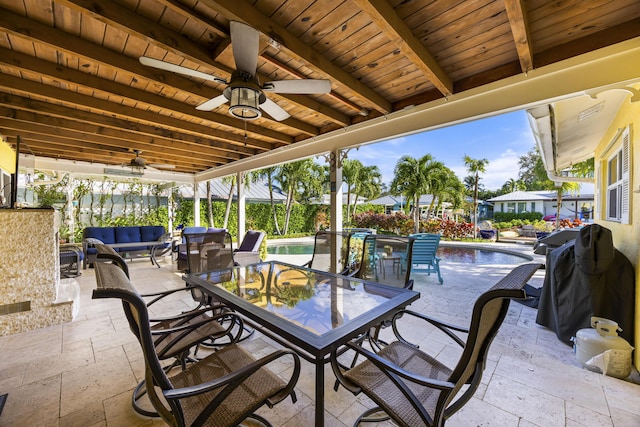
x=308, y=310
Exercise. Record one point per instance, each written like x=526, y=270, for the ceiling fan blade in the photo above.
x=212, y=103
x=304, y=86
x=156, y=63
x=244, y=41
x=274, y=110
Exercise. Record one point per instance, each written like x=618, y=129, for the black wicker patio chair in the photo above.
x=222, y=389
x=415, y=389
x=178, y=335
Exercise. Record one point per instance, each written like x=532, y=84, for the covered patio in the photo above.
x=83, y=372
x=76, y=99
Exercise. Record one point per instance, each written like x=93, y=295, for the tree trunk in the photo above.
x=475, y=207
x=229, y=200
x=209, y=207
x=287, y=214
x=416, y=213
x=273, y=207
x=355, y=204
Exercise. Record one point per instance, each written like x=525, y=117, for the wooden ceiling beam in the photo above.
x=243, y=11
x=115, y=15
x=128, y=21
x=520, y=29
x=31, y=120
x=53, y=94
x=385, y=17
x=79, y=78
x=38, y=33
x=79, y=149
x=50, y=146
x=190, y=13
x=172, y=138
x=341, y=119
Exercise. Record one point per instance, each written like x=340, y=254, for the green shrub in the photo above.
x=509, y=216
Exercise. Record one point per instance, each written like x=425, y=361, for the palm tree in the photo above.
x=475, y=167
x=303, y=179
x=436, y=174
x=350, y=172
x=512, y=185
x=446, y=188
x=368, y=184
x=412, y=179
x=269, y=174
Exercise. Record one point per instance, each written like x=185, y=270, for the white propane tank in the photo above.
x=601, y=337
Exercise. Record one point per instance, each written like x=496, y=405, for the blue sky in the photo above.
x=500, y=139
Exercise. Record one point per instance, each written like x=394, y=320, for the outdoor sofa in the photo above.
x=153, y=241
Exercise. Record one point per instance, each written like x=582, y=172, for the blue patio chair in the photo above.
x=425, y=247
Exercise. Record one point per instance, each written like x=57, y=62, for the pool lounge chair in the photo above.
x=425, y=247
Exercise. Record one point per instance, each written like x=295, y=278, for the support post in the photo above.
x=196, y=204
x=242, y=206
x=335, y=178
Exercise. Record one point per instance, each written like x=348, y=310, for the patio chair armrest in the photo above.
x=186, y=315
x=183, y=325
x=387, y=367
x=235, y=378
x=445, y=327
x=163, y=294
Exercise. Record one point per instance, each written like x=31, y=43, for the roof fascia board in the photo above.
x=561, y=80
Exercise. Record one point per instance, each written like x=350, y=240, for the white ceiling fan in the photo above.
x=244, y=92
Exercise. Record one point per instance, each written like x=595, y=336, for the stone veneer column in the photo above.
x=30, y=271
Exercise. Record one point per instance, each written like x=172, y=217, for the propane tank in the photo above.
x=601, y=337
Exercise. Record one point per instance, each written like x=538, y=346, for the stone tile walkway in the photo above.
x=83, y=373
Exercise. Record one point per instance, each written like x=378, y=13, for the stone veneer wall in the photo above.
x=29, y=270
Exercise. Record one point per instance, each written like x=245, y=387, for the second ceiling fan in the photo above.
x=244, y=92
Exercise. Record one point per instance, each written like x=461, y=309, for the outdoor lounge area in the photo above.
x=83, y=372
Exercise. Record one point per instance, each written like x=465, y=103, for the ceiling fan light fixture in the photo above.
x=245, y=103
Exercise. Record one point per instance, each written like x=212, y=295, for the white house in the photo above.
x=545, y=202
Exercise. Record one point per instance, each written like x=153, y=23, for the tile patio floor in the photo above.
x=82, y=373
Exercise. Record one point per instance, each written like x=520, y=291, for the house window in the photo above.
x=616, y=171
x=533, y=207
x=511, y=207
x=522, y=206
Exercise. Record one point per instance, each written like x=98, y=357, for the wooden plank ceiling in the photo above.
x=72, y=87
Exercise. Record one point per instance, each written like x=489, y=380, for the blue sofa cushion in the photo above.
x=128, y=235
x=104, y=234
x=150, y=233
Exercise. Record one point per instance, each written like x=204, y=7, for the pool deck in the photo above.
x=82, y=373
x=521, y=248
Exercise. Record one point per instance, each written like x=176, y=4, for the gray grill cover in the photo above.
x=587, y=277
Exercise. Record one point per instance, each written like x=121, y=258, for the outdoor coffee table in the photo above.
x=309, y=311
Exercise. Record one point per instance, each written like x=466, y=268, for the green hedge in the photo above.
x=510, y=216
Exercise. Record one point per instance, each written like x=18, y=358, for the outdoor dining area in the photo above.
x=362, y=324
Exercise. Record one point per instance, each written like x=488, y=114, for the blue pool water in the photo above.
x=290, y=249
x=465, y=255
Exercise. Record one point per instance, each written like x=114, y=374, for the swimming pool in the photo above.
x=290, y=249
x=457, y=254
